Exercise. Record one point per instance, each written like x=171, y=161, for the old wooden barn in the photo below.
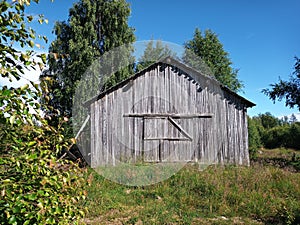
x=169, y=112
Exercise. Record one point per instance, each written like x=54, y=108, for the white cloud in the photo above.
x=297, y=114
x=29, y=75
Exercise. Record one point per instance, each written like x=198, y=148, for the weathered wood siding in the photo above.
x=166, y=89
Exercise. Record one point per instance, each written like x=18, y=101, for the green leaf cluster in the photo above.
x=265, y=130
x=36, y=187
x=208, y=47
x=287, y=90
x=15, y=32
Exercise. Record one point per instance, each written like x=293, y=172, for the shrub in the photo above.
x=36, y=187
x=253, y=137
x=276, y=137
x=294, y=136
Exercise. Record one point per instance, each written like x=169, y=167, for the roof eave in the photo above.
x=172, y=62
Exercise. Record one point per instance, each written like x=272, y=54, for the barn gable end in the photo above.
x=168, y=113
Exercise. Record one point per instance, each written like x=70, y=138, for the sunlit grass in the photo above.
x=217, y=195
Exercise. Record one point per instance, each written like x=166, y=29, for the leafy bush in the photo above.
x=268, y=121
x=276, y=137
x=270, y=132
x=294, y=136
x=36, y=187
x=253, y=137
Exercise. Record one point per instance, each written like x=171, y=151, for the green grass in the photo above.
x=219, y=195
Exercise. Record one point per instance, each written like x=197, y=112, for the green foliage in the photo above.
x=36, y=187
x=208, y=47
x=294, y=136
x=288, y=90
x=154, y=53
x=93, y=28
x=276, y=137
x=268, y=121
x=272, y=132
x=254, y=138
x=14, y=30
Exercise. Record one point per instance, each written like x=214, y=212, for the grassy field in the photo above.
x=287, y=159
x=264, y=193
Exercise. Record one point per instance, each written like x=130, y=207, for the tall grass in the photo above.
x=218, y=195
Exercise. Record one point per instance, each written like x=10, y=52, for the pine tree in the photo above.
x=93, y=28
x=210, y=50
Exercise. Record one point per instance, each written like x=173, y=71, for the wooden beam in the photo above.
x=181, y=130
x=171, y=115
x=166, y=139
x=82, y=127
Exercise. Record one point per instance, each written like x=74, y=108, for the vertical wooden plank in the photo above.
x=104, y=132
x=93, y=138
x=97, y=134
x=246, y=147
x=97, y=151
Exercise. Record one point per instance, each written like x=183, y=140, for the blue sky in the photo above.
x=262, y=37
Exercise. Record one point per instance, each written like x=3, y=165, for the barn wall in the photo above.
x=166, y=89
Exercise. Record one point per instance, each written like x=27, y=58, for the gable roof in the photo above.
x=170, y=62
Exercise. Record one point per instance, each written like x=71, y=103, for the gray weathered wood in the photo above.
x=151, y=116
x=166, y=115
x=181, y=130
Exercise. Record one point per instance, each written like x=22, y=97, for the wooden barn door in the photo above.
x=170, y=137
x=161, y=135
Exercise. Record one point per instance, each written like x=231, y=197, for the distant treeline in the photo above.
x=268, y=131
